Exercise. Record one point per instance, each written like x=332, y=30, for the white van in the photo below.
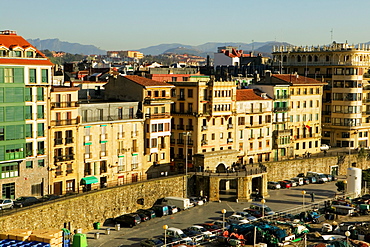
x=181, y=203
x=320, y=177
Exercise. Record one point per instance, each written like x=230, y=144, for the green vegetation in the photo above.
x=66, y=58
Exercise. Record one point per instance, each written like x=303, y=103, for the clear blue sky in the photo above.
x=135, y=24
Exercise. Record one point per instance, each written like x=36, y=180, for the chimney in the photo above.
x=268, y=76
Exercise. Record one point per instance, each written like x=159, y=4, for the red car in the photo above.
x=285, y=184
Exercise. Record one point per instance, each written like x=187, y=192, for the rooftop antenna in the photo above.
x=331, y=35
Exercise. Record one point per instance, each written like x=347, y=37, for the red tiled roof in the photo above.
x=146, y=82
x=10, y=41
x=25, y=61
x=247, y=94
x=297, y=79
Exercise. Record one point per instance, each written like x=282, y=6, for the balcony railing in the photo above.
x=64, y=122
x=158, y=115
x=229, y=126
x=180, y=141
x=63, y=104
x=189, y=127
x=282, y=96
x=58, y=141
x=281, y=109
x=69, y=140
x=180, y=127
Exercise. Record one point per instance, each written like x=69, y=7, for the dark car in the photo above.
x=160, y=210
x=313, y=180
x=306, y=180
x=151, y=242
x=143, y=217
x=129, y=220
x=25, y=201
x=330, y=177
x=172, y=209
x=49, y=198
x=148, y=212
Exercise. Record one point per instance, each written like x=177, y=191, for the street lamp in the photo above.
x=345, y=187
x=186, y=134
x=347, y=233
x=263, y=201
x=223, y=211
x=165, y=227
x=303, y=194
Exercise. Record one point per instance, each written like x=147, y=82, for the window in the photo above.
x=40, y=148
x=29, y=164
x=41, y=163
x=69, y=137
x=40, y=111
x=32, y=75
x=29, y=53
x=8, y=75
x=2, y=133
x=190, y=93
x=221, y=135
x=213, y=136
x=40, y=129
x=44, y=76
x=9, y=170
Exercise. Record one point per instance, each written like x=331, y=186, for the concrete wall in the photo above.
x=82, y=211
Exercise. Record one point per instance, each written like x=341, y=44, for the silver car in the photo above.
x=6, y=204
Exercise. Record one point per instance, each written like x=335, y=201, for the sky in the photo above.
x=136, y=24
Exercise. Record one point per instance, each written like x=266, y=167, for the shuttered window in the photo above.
x=28, y=94
x=40, y=94
x=44, y=75
x=40, y=129
x=14, y=132
x=1, y=75
x=14, y=94
x=28, y=112
x=40, y=111
x=32, y=75
x=1, y=94
x=18, y=75
x=29, y=130
x=1, y=114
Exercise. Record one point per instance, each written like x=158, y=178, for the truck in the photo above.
x=179, y=202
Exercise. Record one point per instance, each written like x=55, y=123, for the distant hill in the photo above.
x=73, y=48
x=211, y=47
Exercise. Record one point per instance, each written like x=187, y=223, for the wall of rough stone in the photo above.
x=291, y=168
x=83, y=210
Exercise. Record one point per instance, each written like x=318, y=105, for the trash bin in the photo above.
x=96, y=225
x=96, y=235
x=107, y=231
x=79, y=240
x=118, y=227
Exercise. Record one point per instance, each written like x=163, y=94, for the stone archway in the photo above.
x=221, y=168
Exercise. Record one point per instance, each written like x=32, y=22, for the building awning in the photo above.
x=89, y=180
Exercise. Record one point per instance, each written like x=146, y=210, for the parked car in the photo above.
x=151, y=242
x=160, y=210
x=195, y=236
x=6, y=204
x=273, y=185
x=237, y=219
x=254, y=212
x=128, y=220
x=49, y=198
x=221, y=224
x=25, y=201
x=313, y=180
x=148, y=212
x=292, y=182
x=203, y=231
x=260, y=207
x=329, y=177
x=306, y=181
x=284, y=184
x=143, y=217
x=298, y=180
x=212, y=227
x=177, y=233
x=247, y=215
x=196, y=201
x=324, y=147
x=172, y=209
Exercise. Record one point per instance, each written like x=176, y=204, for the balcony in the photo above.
x=64, y=122
x=326, y=113
x=156, y=101
x=181, y=127
x=69, y=171
x=229, y=140
x=69, y=140
x=58, y=173
x=134, y=134
x=229, y=126
x=204, y=127
x=157, y=115
x=87, y=138
x=281, y=109
x=204, y=142
x=63, y=104
x=134, y=166
x=282, y=96
x=181, y=97
x=120, y=135
x=87, y=155
x=103, y=154
x=172, y=141
x=180, y=141
x=103, y=137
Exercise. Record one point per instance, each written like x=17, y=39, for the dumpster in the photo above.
x=96, y=225
x=79, y=240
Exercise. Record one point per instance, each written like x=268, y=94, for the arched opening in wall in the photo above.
x=227, y=190
x=221, y=168
x=257, y=188
x=250, y=160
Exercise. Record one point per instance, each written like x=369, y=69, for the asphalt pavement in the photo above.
x=279, y=200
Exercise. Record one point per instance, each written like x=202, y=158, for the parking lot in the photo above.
x=279, y=200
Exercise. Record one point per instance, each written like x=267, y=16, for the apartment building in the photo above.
x=203, y=123
x=154, y=99
x=110, y=144
x=25, y=78
x=296, y=113
x=63, y=126
x=345, y=109
x=254, y=126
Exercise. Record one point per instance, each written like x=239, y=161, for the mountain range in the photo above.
x=200, y=50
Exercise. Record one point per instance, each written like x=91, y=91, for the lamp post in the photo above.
x=223, y=211
x=165, y=227
x=347, y=233
x=263, y=201
x=303, y=194
x=186, y=134
x=345, y=187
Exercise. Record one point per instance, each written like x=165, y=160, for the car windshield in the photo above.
x=182, y=235
x=267, y=209
x=20, y=199
x=1, y=201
